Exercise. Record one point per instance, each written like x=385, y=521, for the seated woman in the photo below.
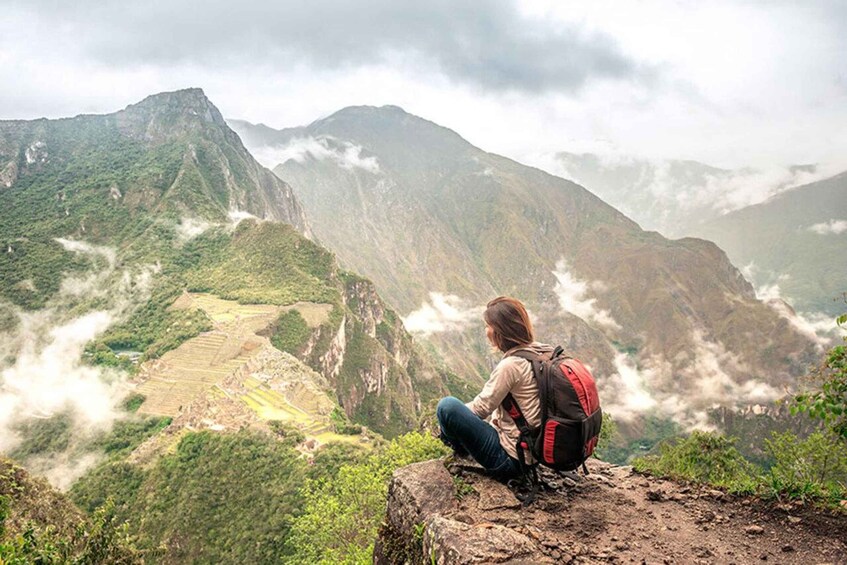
x=464, y=426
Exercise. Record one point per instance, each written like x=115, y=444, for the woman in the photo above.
x=463, y=426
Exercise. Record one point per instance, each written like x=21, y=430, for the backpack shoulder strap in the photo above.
x=515, y=413
x=509, y=403
x=534, y=359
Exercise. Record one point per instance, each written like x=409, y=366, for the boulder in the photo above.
x=448, y=541
x=418, y=491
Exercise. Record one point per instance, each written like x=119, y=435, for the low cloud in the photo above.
x=738, y=189
x=573, y=295
x=189, y=228
x=709, y=377
x=628, y=389
x=442, y=313
x=42, y=373
x=831, y=227
x=91, y=283
x=324, y=148
x=237, y=216
x=672, y=195
x=64, y=469
x=817, y=326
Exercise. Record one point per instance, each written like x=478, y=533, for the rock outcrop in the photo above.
x=456, y=515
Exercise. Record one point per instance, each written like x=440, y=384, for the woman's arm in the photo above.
x=501, y=381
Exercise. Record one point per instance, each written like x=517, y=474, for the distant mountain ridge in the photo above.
x=796, y=240
x=675, y=196
x=420, y=210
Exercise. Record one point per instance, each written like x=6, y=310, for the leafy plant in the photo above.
x=341, y=424
x=701, y=457
x=290, y=332
x=815, y=467
x=356, y=500
x=462, y=487
x=829, y=402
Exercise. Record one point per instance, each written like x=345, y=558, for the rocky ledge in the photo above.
x=450, y=513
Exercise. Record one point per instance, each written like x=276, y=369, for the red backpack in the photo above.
x=570, y=412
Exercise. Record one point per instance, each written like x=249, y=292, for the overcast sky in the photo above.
x=760, y=83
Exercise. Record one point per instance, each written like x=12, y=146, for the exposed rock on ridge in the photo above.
x=613, y=515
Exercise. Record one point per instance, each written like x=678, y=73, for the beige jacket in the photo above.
x=512, y=374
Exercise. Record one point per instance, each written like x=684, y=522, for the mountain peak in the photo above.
x=386, y=110
x=171, y=112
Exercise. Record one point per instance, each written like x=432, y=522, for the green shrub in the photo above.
x=105, y=539
x=290, y=434
x=133, y=402
x=342, y=425
x=608, y=433
x=355, y=500
x=702, y=457
x=829, y=402
x=290, y=332
x=814, y=468
x=219, y=498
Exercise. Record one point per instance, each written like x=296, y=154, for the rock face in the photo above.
x=381, y=377
x=460, y=516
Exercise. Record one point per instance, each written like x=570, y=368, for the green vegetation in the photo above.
x=55, y=435
x=265, y=263
x=829, y=402
x=218, y=498
x=290, y=434
x=155, y=328
x=41, y=436
x=341, y=424
x=103, y=540
x=355, y=499
x=330, y=458
x=133, y=402
x=290, y=332
x=249, y=498
x=814, y=468
x=608, y=431
x=703, y=458
x=462, y=487
x=38, y=525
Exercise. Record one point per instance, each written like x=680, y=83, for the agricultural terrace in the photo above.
x=234, y=361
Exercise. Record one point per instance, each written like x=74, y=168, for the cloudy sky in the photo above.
x=758, y=83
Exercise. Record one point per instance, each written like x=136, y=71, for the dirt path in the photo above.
x=615, y=515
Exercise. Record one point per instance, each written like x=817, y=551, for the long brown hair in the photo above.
x=510, y=322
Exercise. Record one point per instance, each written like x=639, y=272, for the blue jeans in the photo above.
x=466, y=432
